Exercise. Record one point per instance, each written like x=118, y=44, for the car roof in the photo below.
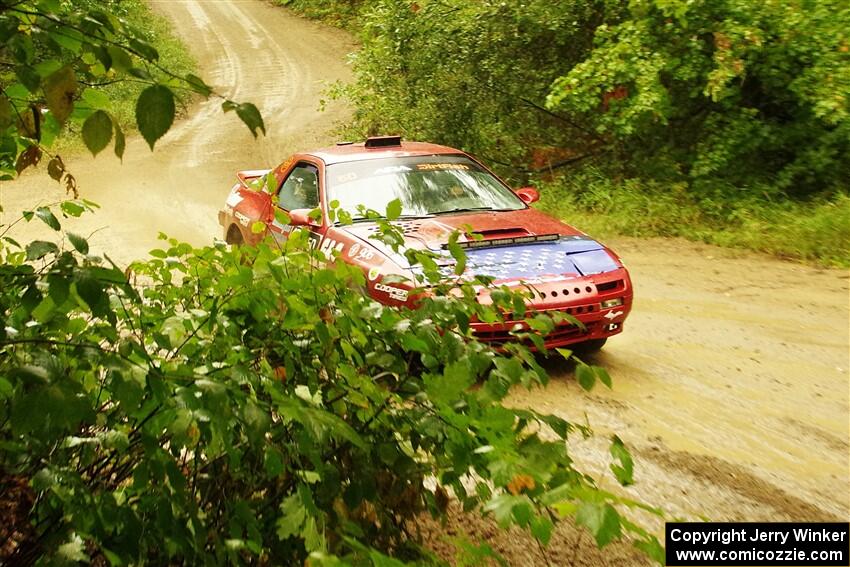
x=346, y=152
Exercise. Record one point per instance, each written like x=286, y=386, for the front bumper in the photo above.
x=581, y=298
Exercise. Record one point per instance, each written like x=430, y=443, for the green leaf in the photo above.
x=97, y=99
x=68, y=38
x=603, y=375
x=72, y=208
x=394, y=209
x=120, y=141
x=292, y=517
x=121, y=60
x=155, y=113
x=273, y=462
x=653, y=549
x=625, y=470
x=541, y=528
x=252, y=118
x=381, y=560
x=198, y=85
x=28, y=77
x=601, y=519
x=91, y=291
x=97, y=131
x=47, y=216
x=564, y=352
x=59, y=288
x=585, y=376
x=59, y=91
x=79, y=243
x=459, y=255
x=258, y=227
x=145, y=49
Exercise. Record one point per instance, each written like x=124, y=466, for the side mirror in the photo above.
x=528, y=195
x=301, y=217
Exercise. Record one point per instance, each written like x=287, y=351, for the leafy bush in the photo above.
x=250, y=404
x=755, y=95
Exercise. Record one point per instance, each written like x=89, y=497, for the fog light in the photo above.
x=616, y=302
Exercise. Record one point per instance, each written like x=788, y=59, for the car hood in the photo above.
x=510, y=249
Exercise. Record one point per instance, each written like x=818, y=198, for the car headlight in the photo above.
x=616, y=302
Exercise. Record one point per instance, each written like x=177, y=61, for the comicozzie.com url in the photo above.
x=744, y=544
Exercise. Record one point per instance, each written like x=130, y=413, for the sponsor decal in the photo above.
x=329, y=246
x=314, y=240
x=373, y=274
x=441, y=166
x=611, y=315
x=346, y=177
x=243, y=220
x=545, y=279
x=396, y=293
x=391, y=169
x=234, y=199
x=359, y=252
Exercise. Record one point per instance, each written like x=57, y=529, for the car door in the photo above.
x=300, y=189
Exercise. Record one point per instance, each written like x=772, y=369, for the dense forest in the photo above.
x=727, y=120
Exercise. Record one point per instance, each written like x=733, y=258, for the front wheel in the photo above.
x=592, y=345
x=234, y=236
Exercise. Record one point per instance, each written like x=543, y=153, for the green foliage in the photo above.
x=751, y=94
x=67, y=62
x=230, y=405
x=731, y=113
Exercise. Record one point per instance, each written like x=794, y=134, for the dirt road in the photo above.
x=248, y=50
x=731, y=379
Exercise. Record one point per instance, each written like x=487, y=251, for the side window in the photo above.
x=300, y=190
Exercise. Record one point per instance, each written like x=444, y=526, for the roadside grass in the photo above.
x=339, y=13
x=173, y=55
x=816, y=231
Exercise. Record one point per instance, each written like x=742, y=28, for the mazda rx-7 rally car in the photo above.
x=441, y=190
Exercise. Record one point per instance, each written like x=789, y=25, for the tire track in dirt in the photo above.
x=715, y=471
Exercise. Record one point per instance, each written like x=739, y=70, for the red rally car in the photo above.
x=441, y=190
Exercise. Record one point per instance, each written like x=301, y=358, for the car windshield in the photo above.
x=425, y=185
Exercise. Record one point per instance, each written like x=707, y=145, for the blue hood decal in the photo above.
x=569, y=256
